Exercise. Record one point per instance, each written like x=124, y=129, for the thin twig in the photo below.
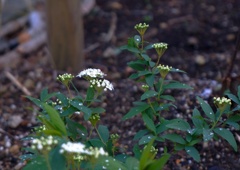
x=17, y=83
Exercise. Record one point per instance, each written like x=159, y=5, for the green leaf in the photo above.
x=136, y=110
x=227, y=135
x=38, y=163
x=159, y=163
x=107, y=162
x=145, y=139
x=133, y=49
x=55, y=119
x=149, y=123
x=90, y=94
x=35, y=101
x=143, y=73
x=132, y=163
x=175, y=138
x=146, y=57
x=148, y=94
x=63, y=99
x=57, y=160
x=193, y=152
x=137, y=65
x=98, y=110
x=87, y=112
x=233, y=98
x=167, y=97
x=197, y=119
x=238, y=92
x=177, y=70
x=74, y=127
x=96, y=143
x=150, y=80
x=69, y=111
x=134, y=76
x=179, y=124
x=150, y=46
x=177, y=85
x=103, y=132
x=140, y=134
x=146, y=156
x=206, y=108
x=43, y=95
x=207, y=134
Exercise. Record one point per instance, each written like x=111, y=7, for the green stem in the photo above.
x=215, y=123
x=47, y=161
x=75, y=88
x=142, y=42
x=157, y=63
x=160, y=89
x=150, y=103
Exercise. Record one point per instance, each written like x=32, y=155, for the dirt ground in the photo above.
x=201, y=35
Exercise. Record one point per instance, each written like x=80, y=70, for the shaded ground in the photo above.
x=201, y=37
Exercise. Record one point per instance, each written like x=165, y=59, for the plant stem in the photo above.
x=150, y=103
x=142, y=42
x=47, y=161
x=215, y=123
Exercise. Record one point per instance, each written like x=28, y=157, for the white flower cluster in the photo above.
x=164, y=68
x=44, y=143
x=80, y=149
x=95, y=77
x=221, y=101
x=101, y=83
x=91, y=72
x=160, y=45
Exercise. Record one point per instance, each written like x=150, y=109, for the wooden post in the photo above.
x=65, y=34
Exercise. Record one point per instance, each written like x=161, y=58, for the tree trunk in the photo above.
x=65, y=34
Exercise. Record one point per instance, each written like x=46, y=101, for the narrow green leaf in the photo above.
x=55, y=119
x=149, y=123
x=193, y=152
x=227, y=135
x=148, y=94
x=167, y=97
x=150, y=80
x=146, y=155
x=137, y=65
x=177, y=85
x=133, y=49
x=64, y=100
x=150, y=46
x=146, y=57
x=103, y=132
x=87, y=112
x=35, y=101
x=140, y=134
x=98, y=110
x=134, y=76
x=143, y=73
x=136, y=110
x=145, y=139
x=197, y=119
x=233, y=98
x=159, y=164
x=175, y=138
x=57, y=161
x=40, y=165
x=207, y=134
x=96, y=143
x=43, y=95
x=238, y=92
x=132, y=163
x=179, y=124
x=206, y=108
x=177, y=70
x=90, y=94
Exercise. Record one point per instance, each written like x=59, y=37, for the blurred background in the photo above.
x=40, y=39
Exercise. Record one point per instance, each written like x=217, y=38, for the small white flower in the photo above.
x=91, y=72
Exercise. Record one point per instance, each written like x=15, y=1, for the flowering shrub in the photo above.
x=62, y=143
